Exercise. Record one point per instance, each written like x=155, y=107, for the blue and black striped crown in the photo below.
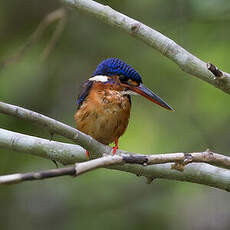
x=115, y=66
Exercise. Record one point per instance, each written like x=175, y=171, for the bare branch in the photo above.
x=99, y=149
x=45, y=174
x=78, y=169
x=218, y=73
x=53, y=150
x=106, y=161
x=201, y=173
x=187, y=158
x=137, y=164
x=95, y=148
x=185, y=60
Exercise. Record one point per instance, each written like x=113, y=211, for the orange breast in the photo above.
x=104, y=114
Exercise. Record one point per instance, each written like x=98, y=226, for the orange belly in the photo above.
x=104, y=115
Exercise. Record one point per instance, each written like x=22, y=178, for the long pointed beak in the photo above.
x=147, y=93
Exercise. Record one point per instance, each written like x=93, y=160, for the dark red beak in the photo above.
x=147, y=93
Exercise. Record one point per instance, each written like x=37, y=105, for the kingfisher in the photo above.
x=104, y=103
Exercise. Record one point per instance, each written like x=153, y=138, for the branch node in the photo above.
x=135, y=159
x=75, y=137
x=37, y=175
x=208, y=154
x=216, y=72
x=178, y=165
x=135, y=27
x=187, y=158
x=209, y=151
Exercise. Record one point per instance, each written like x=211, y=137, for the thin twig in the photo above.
x=45, y=174
x=200, y=173
x=81, y=168
x=78, y=169
x=183, y=159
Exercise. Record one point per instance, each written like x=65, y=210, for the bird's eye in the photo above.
x=133, y=83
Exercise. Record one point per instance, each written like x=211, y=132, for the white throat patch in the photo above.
x=100, y=78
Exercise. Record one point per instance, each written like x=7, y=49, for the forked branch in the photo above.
x=138, y=164
x=151, y=166
x=99, y=149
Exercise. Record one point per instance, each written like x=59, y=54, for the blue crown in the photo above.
x=114, y=66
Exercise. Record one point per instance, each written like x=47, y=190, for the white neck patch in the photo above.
x=100, y=78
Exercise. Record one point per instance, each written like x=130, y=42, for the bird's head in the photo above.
x=128, y=78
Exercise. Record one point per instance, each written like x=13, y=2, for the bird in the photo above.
x=104, y=103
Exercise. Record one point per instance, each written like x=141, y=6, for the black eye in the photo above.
x=123, y=78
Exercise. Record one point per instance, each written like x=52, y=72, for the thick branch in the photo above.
x=185, y=60
x=95, y=148
x=68, y=154
x=99, y=149
x=197, y=173
x=61, y=152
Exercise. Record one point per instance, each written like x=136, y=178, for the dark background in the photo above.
x=106, y=199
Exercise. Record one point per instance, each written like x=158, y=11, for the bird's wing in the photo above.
x=87, y=85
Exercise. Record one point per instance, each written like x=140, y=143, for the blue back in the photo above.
x=115, y=66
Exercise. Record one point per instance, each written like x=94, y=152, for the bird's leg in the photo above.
x=116, y=145
x=87, y=154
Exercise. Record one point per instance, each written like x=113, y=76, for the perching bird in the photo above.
x=104, y=103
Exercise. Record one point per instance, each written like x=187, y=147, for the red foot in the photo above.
x=87, y=154
x=116, y=146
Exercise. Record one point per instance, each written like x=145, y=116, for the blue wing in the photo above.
x=87, y=85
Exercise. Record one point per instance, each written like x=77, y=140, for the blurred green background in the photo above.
x=106, y=199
